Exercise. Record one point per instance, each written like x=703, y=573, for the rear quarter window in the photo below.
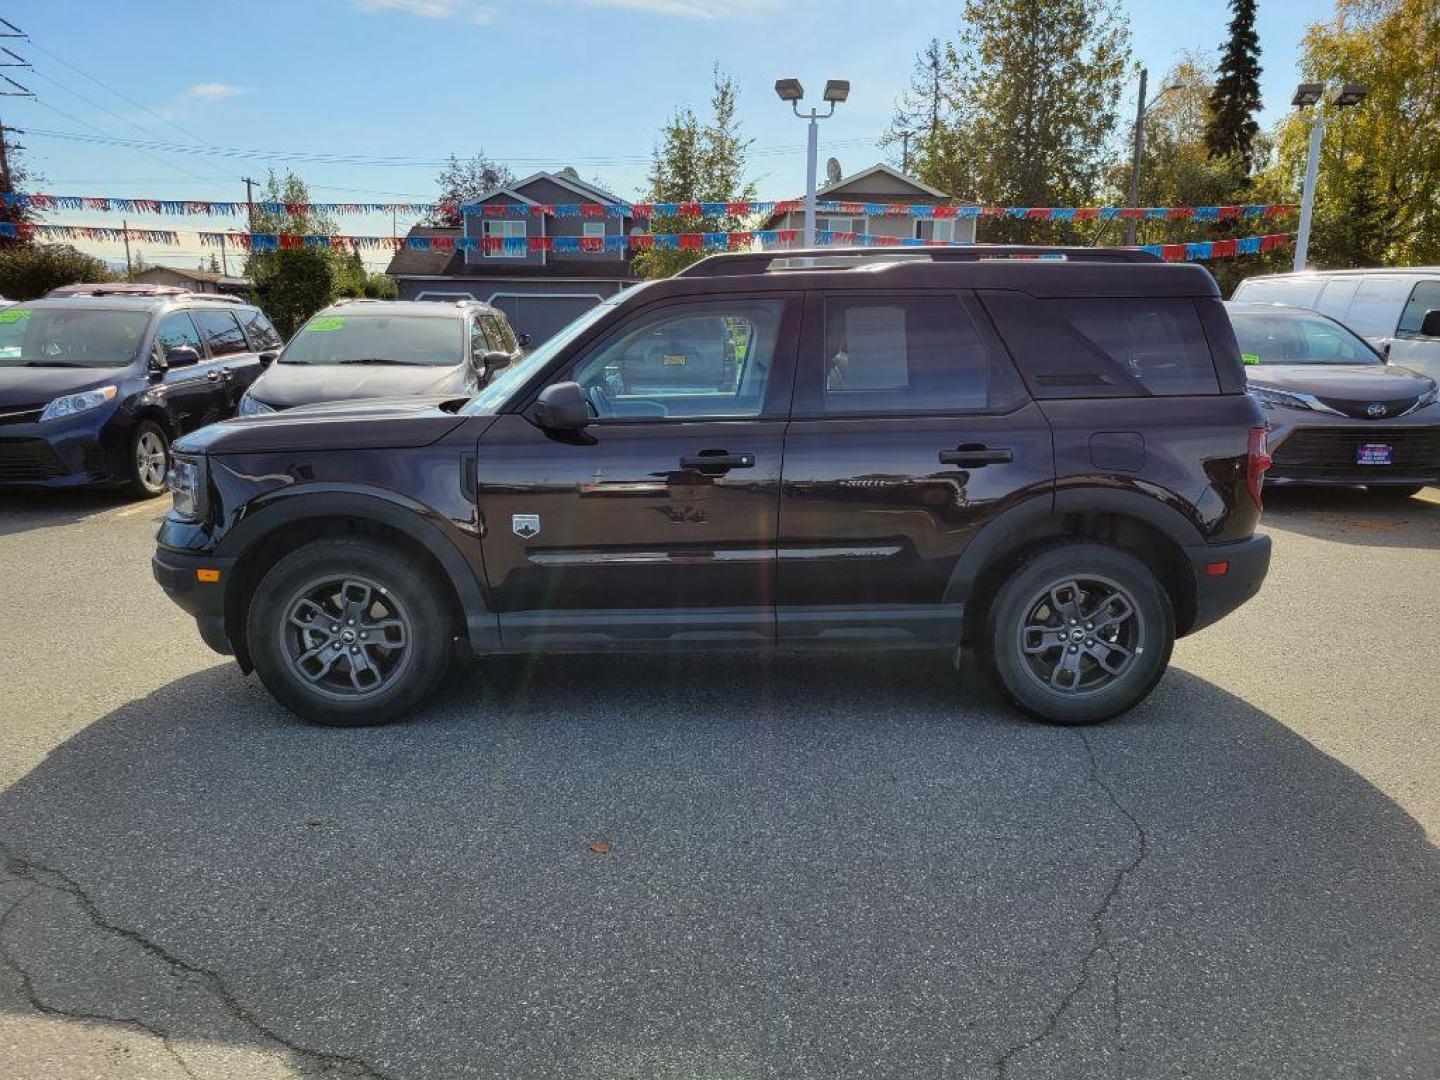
x=1159, y=342
x=1301, y=291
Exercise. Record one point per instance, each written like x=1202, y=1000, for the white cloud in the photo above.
x=212, y=91
x=465, y=10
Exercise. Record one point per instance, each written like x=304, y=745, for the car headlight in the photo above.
x=1429, y=397
x=1289, y=399
x=84, y=401
x=250, y=405
x=186, y=480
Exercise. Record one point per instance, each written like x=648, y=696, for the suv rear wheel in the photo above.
x=348, y=632
x=1078, y=633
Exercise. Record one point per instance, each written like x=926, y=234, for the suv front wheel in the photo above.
x=1078, y=633
x=347, y=632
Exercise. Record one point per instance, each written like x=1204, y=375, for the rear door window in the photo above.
x=1158, y=342
x=1376, y=308
x=889, y=355
x=1424, y=297
x=257, y=327
x=1300, y=291
x=1336, y=296
x=222, y=332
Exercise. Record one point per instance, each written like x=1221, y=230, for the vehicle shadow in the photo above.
x=25, y=511
x=1354, y=516
x=724, y=866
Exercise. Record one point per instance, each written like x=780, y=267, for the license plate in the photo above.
x=1373, y=453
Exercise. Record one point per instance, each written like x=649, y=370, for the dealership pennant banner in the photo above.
x=25, y=230
x=650, y=211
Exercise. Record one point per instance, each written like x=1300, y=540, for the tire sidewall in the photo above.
x=412, y=588
x=1009, y=609
x=136, y=484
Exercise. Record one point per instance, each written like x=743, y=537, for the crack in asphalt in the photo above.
x=60, y=882
x=1099, y=935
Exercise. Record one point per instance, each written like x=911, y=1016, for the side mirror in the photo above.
x=181, y=356
x=493, y=360
x=562, y=407
x=523, y=340
x=268, y=357
x=1430, y=324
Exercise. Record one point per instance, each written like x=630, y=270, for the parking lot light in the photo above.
x=789, y=89
x=1307, y=94
x=836, y=91
x=1310, y=95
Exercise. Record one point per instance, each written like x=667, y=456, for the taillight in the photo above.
x=1257, y=460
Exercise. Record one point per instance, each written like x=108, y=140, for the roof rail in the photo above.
x=137, y=291
x=759, y=262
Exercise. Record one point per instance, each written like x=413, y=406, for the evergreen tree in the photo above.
x=1236, y=97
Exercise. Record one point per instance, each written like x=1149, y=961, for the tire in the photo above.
x=316, y=663
x=1050, y=588
x=1395, y=491
x=147, y=470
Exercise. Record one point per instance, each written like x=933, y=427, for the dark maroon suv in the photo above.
x=1047, y=456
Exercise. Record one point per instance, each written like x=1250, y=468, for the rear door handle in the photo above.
x=973, y=457
x=707, y=460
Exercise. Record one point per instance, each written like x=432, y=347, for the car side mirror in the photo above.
x=523, y=340
x=562, y=407
x=494, y=360
x=268, y=357
x=181, y=356
x=1430, y=324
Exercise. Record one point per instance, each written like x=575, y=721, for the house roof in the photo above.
x=212, y=277
x=881, y=167
x=924, y=193
x=410, y=262
x=580, y=187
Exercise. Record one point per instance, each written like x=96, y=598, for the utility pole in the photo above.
x=250, y=201
x=1135, y=158
x=224, y=259
x=125, y=232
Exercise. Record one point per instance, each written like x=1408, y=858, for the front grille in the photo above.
x=29, y=459
x=21, y=414
x=1329, y=453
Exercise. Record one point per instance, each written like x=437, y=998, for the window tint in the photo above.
x=710, y=359
x=1300, y=291
x=222, y=332
x=1336, y=296
x=1424, y=297
x=1376, y=307
x=257, y=326
x=904, y=355
x=1159, y=342
x=175, y=332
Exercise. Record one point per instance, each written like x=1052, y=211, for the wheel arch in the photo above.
x=1134, y=522
x=288, y=523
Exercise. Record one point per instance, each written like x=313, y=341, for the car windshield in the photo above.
x=1295, y=337
x=499, y=389
x=70, y=336
x=374, y=338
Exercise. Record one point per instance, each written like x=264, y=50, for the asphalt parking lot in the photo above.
x=724, y=867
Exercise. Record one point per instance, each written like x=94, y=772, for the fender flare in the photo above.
x=1051, y=507
x=415, y=520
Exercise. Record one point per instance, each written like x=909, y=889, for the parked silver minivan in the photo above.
x=1386, y=307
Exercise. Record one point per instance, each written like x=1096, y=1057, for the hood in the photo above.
x=393, y=424
x=1347, y=388
x=23, y=387
x=284, y=386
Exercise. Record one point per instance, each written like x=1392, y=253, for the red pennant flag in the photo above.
x=739, y=240
x=689, y=209
x=592, y=210
x=642, y=240
x=443, y=243
x=1225, y=249
x=1087, y=213
x=1038, y=213
x=1132, y=211
x=1177, y=212
x=1273, y=241
x=691, y=241
x=643, y=210
x=1172, y=252
x=592, y=243
x=1231, y=211
x=737, y=209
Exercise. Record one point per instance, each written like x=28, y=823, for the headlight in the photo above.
x=186, y=480
x=1289, y=399
x=250, y=405
x=1427, y=398
x=84, y=401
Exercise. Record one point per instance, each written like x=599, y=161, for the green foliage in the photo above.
x=28, y=271
x=381, y=287
x=1377, y=200
x=464, y=181
x=697, y=162
x=293, y=284
x=1235, y=99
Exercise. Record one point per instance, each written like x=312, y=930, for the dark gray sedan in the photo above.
x=1338, y=413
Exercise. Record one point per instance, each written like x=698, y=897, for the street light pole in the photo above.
x=1135, y=157
x=1307, y=193
x=836, y=91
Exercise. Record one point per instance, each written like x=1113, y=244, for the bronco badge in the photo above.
x=525, y=525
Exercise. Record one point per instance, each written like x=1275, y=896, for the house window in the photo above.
x=501, y=228
x=841, y=224
x=935, y=229
x=593, y=228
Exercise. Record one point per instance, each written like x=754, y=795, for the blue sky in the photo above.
x=537, y=83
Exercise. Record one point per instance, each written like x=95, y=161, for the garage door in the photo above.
x=541, y=316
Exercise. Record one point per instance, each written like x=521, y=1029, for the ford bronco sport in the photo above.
x=1045, y=455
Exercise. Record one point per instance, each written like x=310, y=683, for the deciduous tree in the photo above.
x=465, y=181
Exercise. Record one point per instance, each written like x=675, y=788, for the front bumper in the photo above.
x=1218, y=594
x=1319, y=449
x=60, y=454
x=176, y=573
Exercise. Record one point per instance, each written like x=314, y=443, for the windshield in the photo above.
x=375, y=338
x=1294, y=337
x=70, y=337
x=499, y=389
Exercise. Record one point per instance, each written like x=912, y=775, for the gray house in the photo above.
x=541, y=268
x=882, y=184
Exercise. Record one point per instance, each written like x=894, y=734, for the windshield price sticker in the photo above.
x=1250, y=357
x=13, y=315
x=329, y=322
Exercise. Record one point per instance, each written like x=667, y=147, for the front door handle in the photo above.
x=213, y=375
x=973, y=457
x=717, y=460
